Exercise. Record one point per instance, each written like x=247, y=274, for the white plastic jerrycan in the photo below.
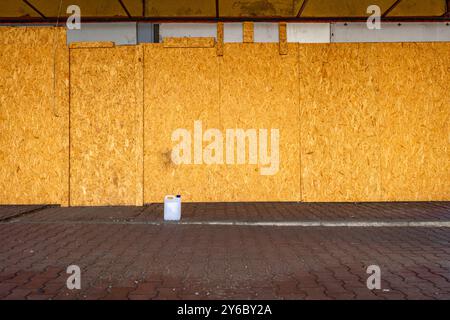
x=172, y=208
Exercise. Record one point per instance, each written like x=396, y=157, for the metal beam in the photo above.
x=394, y=5
x=302, y=8
x=34, y=9
x=225, y=19
x=125, y=8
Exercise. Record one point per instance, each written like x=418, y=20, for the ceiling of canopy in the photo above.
x=214, y=10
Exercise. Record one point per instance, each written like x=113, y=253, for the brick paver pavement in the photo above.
x=10, y=212
x=170, y=261
x=400, y=211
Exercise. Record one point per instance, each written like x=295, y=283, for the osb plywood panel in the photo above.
x=181, y=85
x=343, y=8
x=220, y=34
x=250, y=100
x=418, y=8
x=31, y=36
x=283, y=38
x=185, y=42
x=340, y=154
x=139, y=125
x=34, y=157
x=414, y=99
x=104, y=118
x=247, y=31
x=84, y=45
x=259, y=90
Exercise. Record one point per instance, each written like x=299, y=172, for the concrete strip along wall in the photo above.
x=352, y=122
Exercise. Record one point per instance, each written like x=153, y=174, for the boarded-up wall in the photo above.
x=413, y=95
x=357, y=122
x=181, y=86
x=259, y=89
x=105, y=122
x=34, y=114
x=375, y=122
x=340, y=151
x=250, y=87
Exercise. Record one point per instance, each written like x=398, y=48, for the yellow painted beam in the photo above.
x=89, y=8
x=227, y=8
x=297, y=6
x=343, y=8
x=134, y=7
x=258, y=8
x=16, y=8
x=408, y=8
x=176, y=8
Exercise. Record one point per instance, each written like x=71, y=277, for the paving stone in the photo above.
x=169, y=261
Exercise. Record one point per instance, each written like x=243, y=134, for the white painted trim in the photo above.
x=121, y=33
x=125, y=33
x=180, y=30
x=391, y=32
x=308, y=32
x=232, y=32
x=265, y=32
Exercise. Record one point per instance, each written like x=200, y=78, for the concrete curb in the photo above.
x=350, y=224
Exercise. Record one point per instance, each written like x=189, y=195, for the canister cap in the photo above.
x=178, y=196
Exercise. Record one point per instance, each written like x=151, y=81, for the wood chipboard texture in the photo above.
x=220, y=36
x=185, y=42
x=93, y=44
x=181, y=85
x=205, y=87
x=247, y=31
x=375, y=122
x=259, y=89
x=282, y=31
x=413, y=94
x=358, y=122
x=340, y=152
x=139, y=125
x=105, y=103
x=34, y=115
